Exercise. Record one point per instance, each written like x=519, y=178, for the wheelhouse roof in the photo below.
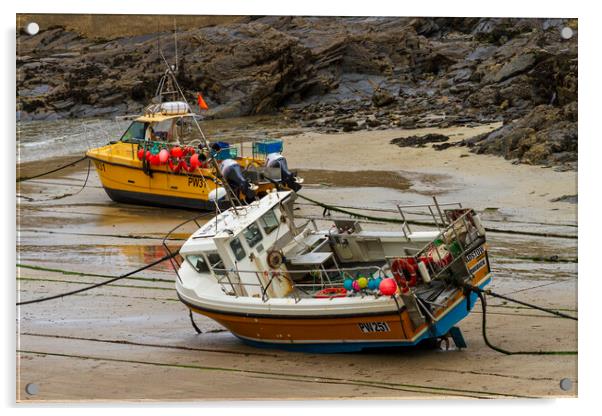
x=230, y=224
x=159, y=117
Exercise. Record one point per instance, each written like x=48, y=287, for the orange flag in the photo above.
x=202, y=103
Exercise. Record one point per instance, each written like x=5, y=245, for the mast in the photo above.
x=233, y=199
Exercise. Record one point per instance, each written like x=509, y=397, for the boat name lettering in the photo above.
x=195, y=181
x=476, y=253
x=368, y=327
x=100, y=166
x=477, y=266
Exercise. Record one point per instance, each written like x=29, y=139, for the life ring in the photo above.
x=405, y=272
x=331, y=292
x=275, y=258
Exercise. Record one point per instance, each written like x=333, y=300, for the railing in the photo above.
x=462, y=232
x=402, y=209
x=323, y=278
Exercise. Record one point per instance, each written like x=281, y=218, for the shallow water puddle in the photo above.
x=366, y=178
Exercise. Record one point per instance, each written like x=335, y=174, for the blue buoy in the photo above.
x=348, y=284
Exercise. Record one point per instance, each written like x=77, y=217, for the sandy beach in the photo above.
x=132, y=340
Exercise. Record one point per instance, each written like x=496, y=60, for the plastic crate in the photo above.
x=268, y=146
x=227, y=153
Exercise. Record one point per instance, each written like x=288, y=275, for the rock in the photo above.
x=333, y=74
x=419, y=141
x=543, y=136
x=517, y=65
x=382, y=98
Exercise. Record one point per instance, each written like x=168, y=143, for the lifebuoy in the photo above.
x=275, y=258
x=405, y=271
x=331, y=292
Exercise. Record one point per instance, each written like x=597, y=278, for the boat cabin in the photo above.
x=259, y=251
x=170, y=122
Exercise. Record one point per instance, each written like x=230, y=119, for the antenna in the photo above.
x=175, y=40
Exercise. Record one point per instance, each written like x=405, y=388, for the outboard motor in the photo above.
x=233, y=174
x=275, y=160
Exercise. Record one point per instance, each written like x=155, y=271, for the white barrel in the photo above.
x=424, y=273
x=171, y=108
x=477, y=223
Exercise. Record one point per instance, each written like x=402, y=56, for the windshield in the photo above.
x=134, y=132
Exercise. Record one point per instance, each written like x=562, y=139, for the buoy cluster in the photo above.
x=385, y=286
x=177, y=158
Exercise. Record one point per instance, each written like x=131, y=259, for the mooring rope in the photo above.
x=481, y=294
x=84, y=289
x=338, y=208
x=63, y=195
x=27, y=178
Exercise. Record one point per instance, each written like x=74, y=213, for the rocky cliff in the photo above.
x=331, y=74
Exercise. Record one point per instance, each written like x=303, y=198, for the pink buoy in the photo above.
x=163, y=156
x=356, y=286
x=388, y=286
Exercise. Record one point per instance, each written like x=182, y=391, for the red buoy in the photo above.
x=194, y=161
x=177, y=152
x=388, y=286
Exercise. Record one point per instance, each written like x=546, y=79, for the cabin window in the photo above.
x=252, y=235
x=134, y=132
x=198, y=262
x=269, y=222
x=164, y=131
x=237, y=249
x=216, y=262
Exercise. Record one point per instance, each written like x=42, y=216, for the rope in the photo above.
x=27, y=178
x=354, y=214
x=63, y=195
x=339, y=208
x=481, y=294
x=194, y=325
x=520, y=302
x=84, y=289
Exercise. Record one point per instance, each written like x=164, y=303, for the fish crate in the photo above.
x=226, y=153
x=265, y=147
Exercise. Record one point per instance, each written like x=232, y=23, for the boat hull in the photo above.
x=341, y=333
x=124, y=180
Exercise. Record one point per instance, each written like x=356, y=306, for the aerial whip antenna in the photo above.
x=175, y=40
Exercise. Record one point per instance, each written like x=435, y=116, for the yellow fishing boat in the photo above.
x=164, y=159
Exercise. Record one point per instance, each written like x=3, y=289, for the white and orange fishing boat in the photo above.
x=274, y=282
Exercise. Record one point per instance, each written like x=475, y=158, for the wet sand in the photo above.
x=132, y=340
